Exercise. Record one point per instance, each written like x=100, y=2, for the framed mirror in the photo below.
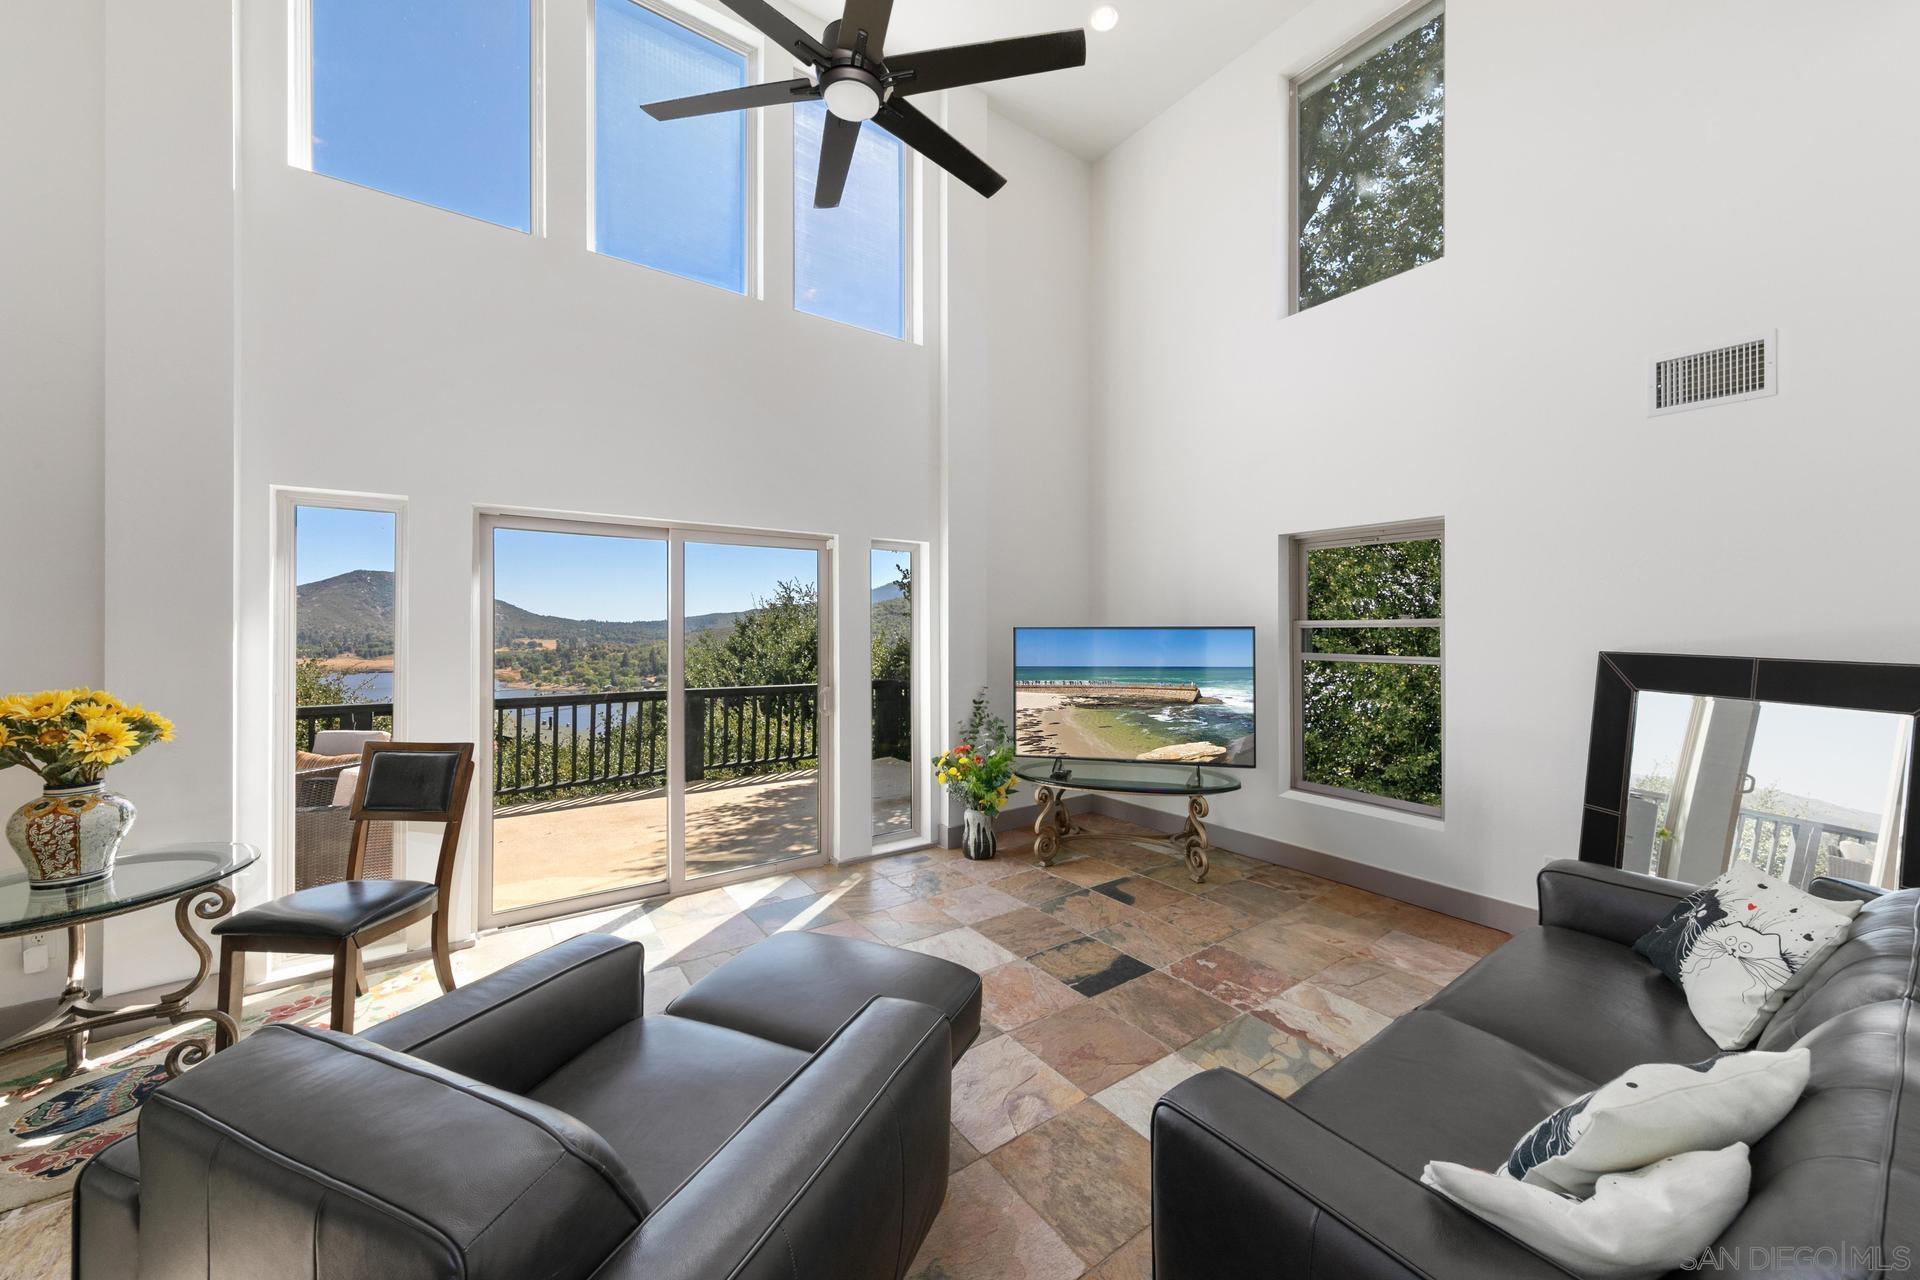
x=1804, y=769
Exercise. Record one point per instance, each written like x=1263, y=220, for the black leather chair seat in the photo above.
x=1583, y=1003
x=1475, y=1094
x=797, y=989
x=666, y=1093
x=330, y=910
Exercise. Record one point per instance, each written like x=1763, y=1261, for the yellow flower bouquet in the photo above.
x=70, y=738
x=979, y=774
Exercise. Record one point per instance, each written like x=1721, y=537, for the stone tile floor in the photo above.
x=1107, y=980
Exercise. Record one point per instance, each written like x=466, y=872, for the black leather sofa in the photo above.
x=1325, y=1185
x=785, y=1117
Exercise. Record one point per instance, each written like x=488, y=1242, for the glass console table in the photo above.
x=191, y=876
x=1052, y=779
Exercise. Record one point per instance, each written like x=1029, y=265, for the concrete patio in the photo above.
x=553, y=850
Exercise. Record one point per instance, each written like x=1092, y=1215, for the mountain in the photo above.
x=888, y=591
x=349, y=613
x=353, y=613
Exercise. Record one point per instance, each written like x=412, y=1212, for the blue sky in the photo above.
x=847, y=262
x=330, y=541
x=432, y=100
x=428, y=99
x=625, y=579
x=1133, y=647
x=569, y=575
x=886, y=567
x=1843, y=757
x=668, y=194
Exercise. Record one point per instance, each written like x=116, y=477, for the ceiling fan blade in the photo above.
x=912, y=126
x=870, y=16
x=777, y=27
x=936, y=69
x=836, y=161
x=753, y=95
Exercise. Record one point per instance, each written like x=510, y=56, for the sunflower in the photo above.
x=50, y=704
x=105, y=740
x=13, y=707
x=88, y=711
x=161, y=726
x=6, y=737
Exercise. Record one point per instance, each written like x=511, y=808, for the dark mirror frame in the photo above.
x=1857, y=686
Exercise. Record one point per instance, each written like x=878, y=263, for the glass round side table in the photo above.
x=191, y=876
x=1053, y=778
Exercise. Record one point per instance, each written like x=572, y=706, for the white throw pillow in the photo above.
x=1741, y=945
x=1658, y=1110
x=1644, y=1223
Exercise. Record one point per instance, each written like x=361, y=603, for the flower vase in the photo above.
x=70, y=834
x=976, y=839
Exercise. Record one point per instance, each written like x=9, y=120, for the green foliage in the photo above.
x=1385, y=580
x=351, y=612
x=1372, y=728
x=1372, y=168
x=775, y=642
x=316, y=686
x=593, y=666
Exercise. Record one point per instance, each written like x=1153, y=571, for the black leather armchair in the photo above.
x=1325, y=1185
x=535, y=1124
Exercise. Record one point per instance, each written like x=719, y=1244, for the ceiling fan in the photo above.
x=852, y=72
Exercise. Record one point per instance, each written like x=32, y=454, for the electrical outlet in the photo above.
x=33, y=953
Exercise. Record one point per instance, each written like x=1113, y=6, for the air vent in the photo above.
x=1696, y=379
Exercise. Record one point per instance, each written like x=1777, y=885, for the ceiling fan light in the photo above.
x=1105, y=18
x=852, y=100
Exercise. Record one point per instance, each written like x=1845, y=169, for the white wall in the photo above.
x=1623, y=179
x=51, y=360
x=391, y=347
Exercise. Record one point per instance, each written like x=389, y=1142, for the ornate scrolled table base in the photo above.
x=1055, y=826
x=74, y=1018
x=1193, y=837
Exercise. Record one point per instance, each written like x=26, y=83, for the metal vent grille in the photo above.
x=1696, y=379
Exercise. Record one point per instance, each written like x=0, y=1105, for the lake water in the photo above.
x=377, y=686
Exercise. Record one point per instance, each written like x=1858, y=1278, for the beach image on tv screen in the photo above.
x=1160, y=694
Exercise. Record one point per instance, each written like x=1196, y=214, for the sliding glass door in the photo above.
x=578, y=710
x=753, y=702
x=655, y=706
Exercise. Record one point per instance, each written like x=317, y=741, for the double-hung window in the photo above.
x=431, y=100
x=1367, y=664
x=669, y=195
x=850, y=263
x=1370, y=159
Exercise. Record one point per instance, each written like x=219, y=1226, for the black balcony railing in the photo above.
x=308, y=721
x=556, y=743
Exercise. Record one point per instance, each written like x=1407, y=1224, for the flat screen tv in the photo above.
x=1175, y=695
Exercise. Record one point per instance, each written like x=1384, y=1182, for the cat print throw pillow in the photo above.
x=1741, y=945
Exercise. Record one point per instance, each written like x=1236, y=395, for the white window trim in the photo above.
x=910, y=244
x=283, y=637
x=1364, y=45
x=676, y=534
x=754, y=142
x=300, y=116
x=1295, y=591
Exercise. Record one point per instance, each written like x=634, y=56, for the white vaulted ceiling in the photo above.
x=1160, y=50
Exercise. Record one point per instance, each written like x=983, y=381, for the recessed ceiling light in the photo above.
x=1105, y=18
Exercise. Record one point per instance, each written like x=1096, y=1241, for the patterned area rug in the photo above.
x=49, y=1127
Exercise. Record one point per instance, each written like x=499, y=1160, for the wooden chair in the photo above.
x=399, y=782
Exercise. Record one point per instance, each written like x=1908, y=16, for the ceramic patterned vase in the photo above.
x=976, y=838
x=70, y=834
